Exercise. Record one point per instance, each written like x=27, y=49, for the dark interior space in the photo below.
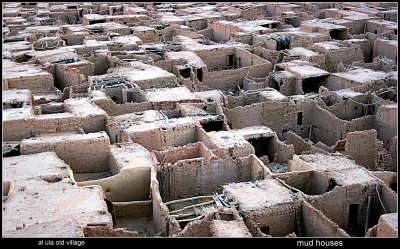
x=393, y=186
x=232, y=61
x=11, y=150
x=263, y=147
x=185, y=73
x=310, y=182
x=265, y=229
x=353, y=228
x=97, y=21
x=274, y=84
x=52, y=109
x=200, y=74
x=299, y=118
x=312, y=84
x=338, y=34
x=213, y=126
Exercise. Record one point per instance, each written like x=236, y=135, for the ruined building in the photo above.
x=199, y=119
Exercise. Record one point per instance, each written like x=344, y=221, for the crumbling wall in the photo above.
x=199, y=228
x=361, y=145
x=222, y=31
x=393, y=152
x=385, y=47
x=67, y=76
x=160, y=210
x=300, y=145
x=196, y=150
x=216, y=58
x=336, y=204
x=280, y=116
x=328, y=129
x=389, y=199
x=345, y=55
x=309, y=182
x=267, y=54
x=316, y=224
x=100, y=62
x=386, y=123
x=100, y=231
x=282, y=218
x=114, y=109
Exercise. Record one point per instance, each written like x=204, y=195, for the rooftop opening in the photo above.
x=185, y=73
x=11, y=150
x=338, y=34
x=52, y=108
x=265, y=229
x=214, y=125
x=263, y=146
x=225, y=216
x=13, y=104
x=275, y=84
x=282, y=42
x=24, y=58
x=96, y=21
x=80, y=90
x=312, y=84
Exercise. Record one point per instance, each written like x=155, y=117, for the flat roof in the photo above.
x=260, y=194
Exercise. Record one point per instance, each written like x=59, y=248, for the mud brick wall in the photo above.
x=67, y=76
x=300, y=145
x=160, y=210
x=198, y=177
x=386, y=48
x=393, y=152
x=346, y=56
x=147, y=36
x=335, y=204
x=389, y=199
x=200, y=228
x=305, y=41
x=280, y=116
x=361, y=145
x=133, y=209
x=74, y=38
x=222, y=31
x=83, y=153
x=17, y=129
x=114, y=109
x=43, y=80
x=386, y=123
x=316, y=224
x=281, y=218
